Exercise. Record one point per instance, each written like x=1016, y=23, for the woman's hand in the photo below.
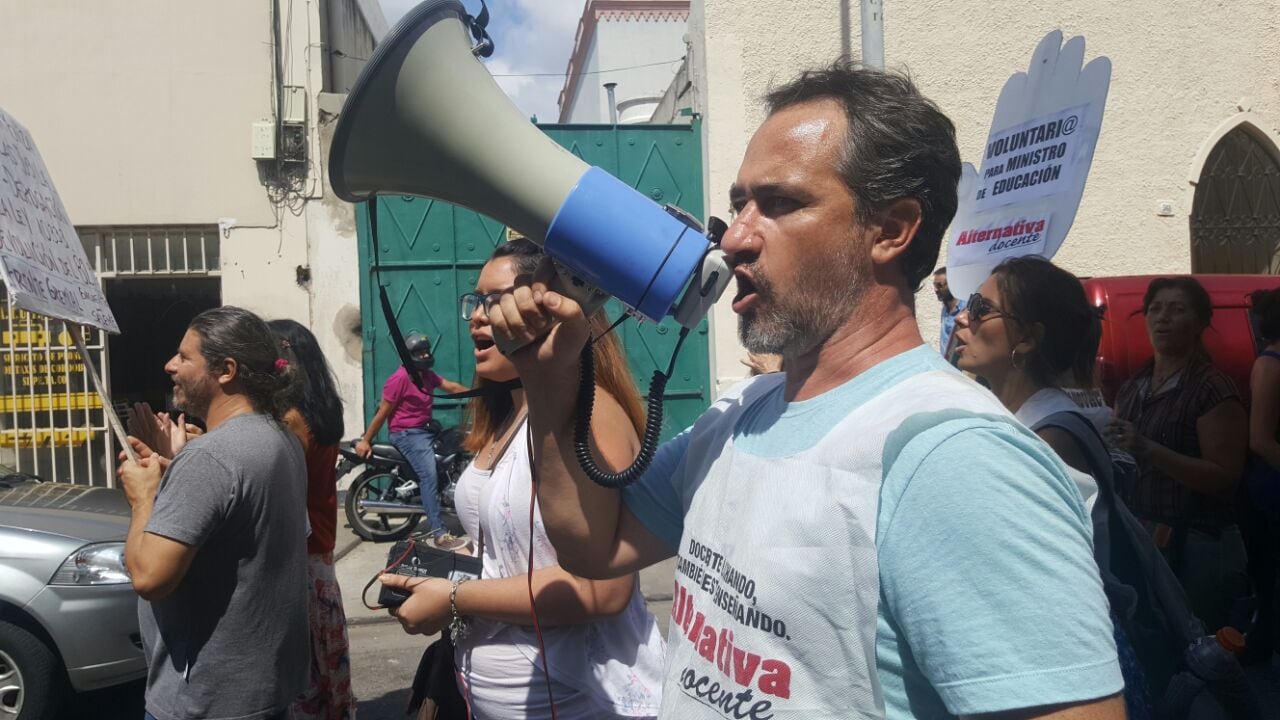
x=1124, y=435
x=426, y=612
x=763, y=363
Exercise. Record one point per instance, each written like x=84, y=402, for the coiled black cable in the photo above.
x=652, y=423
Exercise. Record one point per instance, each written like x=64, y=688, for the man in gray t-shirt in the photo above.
x=217, y=548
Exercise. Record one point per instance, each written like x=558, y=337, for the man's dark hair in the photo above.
x=942, y=270
x=898, y=145
x=229, y=332
x=315, y=395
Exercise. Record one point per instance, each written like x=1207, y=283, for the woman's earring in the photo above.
x=1018, y=362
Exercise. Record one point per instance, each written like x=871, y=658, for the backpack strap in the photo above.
x=1100, y=465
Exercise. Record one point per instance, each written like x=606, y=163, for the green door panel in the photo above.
x=430, y=252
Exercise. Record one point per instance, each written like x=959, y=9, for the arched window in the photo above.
x=1235, y=217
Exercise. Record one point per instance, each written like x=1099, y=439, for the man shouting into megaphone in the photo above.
x=868, y=534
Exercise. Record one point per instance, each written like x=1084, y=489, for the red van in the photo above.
x=1232, y=338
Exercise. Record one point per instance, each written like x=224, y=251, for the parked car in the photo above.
x=68, y=613
x=1232, y=339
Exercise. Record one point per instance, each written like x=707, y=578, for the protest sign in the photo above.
x=1036, y=160
x=42, y=262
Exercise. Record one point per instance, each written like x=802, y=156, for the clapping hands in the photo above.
x=160, y=433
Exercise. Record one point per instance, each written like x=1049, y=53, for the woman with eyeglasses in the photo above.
x=603, y=648
x=1031, y=334
x=1183, y=420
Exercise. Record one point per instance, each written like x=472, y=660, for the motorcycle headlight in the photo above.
x=98, y=564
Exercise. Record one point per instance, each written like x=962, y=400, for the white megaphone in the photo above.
x=426, y=118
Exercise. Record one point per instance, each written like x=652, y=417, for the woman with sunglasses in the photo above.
x=1031, y=335
x=603, y=647
x=1028, y=333
x=1183, y=419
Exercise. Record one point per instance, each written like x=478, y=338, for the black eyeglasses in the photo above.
x=468, y=303
x=979, y=308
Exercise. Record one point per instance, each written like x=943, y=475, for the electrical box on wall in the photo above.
x=295, y=104
x=293, y=142
x=263, y=145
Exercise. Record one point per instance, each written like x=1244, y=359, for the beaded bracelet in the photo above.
x=458, y=626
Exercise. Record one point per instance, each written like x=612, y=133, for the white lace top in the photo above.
x=612, y=666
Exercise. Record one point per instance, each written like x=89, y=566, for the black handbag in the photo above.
x=435, y=693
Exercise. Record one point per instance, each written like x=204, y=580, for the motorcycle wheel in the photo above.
x=374, y=485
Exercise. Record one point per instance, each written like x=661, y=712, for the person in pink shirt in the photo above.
x=409, y=409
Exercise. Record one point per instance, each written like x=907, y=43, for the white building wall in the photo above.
x=590, y=103
x=1181, y=71
x=143, y=114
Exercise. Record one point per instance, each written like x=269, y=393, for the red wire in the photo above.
x=533, y=605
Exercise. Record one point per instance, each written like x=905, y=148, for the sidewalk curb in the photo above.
x=375, y=620
x=658, y=597
x=339, y=553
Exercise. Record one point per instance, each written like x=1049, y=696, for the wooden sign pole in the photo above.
x=112, y=418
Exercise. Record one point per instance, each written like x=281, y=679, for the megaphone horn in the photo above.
x=426, y=118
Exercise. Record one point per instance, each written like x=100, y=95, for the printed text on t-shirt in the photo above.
x=732, y=592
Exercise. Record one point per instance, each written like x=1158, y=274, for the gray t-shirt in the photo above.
x=232, y=640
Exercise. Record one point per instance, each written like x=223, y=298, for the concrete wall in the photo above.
x=1183, y=73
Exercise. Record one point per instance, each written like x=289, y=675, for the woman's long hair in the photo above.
x=486, y=413
x=315, y=396
x=1035, y=291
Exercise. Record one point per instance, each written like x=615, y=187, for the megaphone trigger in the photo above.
x=704, y=289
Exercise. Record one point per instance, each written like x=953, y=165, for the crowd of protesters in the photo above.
x=947, y=552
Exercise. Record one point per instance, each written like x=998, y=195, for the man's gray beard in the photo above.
x=795, y=328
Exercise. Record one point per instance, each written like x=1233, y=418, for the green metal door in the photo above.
x=430, y=252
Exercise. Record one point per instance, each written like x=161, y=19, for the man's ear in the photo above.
x=229, y=371
x=895, y=227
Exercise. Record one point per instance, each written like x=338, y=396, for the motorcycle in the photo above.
x=385, y=503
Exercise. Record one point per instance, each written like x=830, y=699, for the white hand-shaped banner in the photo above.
x=1034, y=164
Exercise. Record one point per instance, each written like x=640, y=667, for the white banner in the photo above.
x=1031, y=160
x=41, y=258
x=1034, y=165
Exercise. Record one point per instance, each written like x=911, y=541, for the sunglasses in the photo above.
x=979, y=308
